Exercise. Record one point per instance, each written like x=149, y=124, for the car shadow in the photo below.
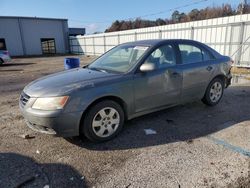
x=44, y=55
x=11, y=70
x=22, y=171
x=181, y=123
x=15, y=64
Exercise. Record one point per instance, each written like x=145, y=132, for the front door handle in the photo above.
x=175, y=73
x=209, y=68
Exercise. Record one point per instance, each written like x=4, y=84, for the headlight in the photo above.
x=50, y=103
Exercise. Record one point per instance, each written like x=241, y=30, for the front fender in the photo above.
x=82, y=99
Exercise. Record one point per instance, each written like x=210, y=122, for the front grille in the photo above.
x=24, y=98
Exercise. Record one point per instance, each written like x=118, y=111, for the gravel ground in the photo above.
x=190, y=146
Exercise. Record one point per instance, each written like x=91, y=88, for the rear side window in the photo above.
x=206, y=55
x=193, y=54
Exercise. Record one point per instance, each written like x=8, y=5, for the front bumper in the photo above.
x=56, y=123
x=6, y=59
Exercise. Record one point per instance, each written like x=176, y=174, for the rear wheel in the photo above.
x=103, y=121
x=214, y=92
x=1, y=61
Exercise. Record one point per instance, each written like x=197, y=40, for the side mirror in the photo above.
x=147, y=67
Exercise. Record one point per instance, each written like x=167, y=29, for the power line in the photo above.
x=171, y=9
x=146, y=15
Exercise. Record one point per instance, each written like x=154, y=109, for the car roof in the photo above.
x=153, y=42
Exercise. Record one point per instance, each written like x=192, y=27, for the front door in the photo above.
x=160, y=87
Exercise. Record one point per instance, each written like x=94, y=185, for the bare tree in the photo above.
x=179, y=17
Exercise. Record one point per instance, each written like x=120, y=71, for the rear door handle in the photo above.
x=209, y=68
x=176, y=74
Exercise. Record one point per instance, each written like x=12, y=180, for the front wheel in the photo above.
x=103, y=121
x=214, y=92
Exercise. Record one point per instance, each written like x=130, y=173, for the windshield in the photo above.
x=120, y=59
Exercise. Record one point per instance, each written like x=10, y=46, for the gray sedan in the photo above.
x=128, y=81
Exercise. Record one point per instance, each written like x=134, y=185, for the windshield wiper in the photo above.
x=85, y=66
x=96, y=69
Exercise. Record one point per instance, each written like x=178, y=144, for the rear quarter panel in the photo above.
x=221, y=67
x=224, y=65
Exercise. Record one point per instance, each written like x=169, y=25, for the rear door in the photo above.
x=161, y=87
x=197, y=68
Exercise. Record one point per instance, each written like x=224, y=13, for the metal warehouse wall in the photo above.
x=23, y=35
x=9, y=30
x=226, y=35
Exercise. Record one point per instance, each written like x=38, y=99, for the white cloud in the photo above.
x=91, y=28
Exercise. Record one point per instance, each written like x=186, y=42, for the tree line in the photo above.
x=180, y=17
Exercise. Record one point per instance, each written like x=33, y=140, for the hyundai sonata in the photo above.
x=130, y=80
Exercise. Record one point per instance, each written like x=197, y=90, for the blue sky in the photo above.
x=97, y=15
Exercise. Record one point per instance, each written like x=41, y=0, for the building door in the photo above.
x=2, y=44
x=48, y=45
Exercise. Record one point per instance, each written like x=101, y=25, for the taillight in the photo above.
x=6, y=53
x=231, y=61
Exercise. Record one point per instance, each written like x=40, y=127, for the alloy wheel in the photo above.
x=215, y=92
x=105, y=122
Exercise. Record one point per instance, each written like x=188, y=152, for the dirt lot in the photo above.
x=194, y=145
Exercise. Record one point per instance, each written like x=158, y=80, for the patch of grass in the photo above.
x=240, y=70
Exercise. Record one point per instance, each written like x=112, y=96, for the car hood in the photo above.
x=65, y=82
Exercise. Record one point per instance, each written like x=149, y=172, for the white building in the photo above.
x=33, y=36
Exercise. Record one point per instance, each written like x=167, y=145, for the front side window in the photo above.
x=163, y=56
x=120, y=59
x=193, y=54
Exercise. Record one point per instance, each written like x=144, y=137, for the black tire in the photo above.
x=87, y=128
x=1, y=61
x=208, y=97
